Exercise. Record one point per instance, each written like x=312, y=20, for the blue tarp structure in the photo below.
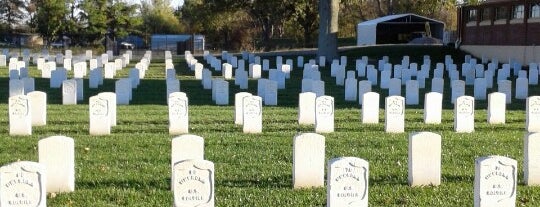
x=170, y=42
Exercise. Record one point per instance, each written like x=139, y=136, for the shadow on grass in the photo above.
x=281, y=181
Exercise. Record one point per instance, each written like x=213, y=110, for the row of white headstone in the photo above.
x=348, y=177
x=25, y=183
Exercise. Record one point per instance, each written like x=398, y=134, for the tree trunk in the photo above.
x=328, y=29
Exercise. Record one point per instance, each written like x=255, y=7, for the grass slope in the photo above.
x=131, y=166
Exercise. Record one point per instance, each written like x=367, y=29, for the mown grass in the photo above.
x=131, y=167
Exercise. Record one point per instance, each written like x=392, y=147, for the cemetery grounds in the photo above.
x=131, y=167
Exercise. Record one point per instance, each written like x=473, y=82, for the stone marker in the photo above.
x=193, y=183
x=464, y=114
x=57, y=77
x=100, y=121
x=348, y=182
x=57, y=154
x=324, y=114
x=111, y=101
x=411, y=93
x=505, y=86
x=495, y=181
x=252, y=114
x=20, y=115
x=480, y=88
x=394, y=119
x=364, y=86
x=16, y=87
x=424, y=159
x=433, y=108
x=123, y=91
x=532, y=108
x=69, y=92
x=522, y=88
x=271, y=93
x=23, y=184
x=38, y=107
x=187, y=147
x=458, y=89
x=370, y=108
x=178, y=113
x=308, y=160
x=351, y=89
x=306, y=108
x=222, y=92
x=531, y=163
x=238, y=107
x=496, y=108
x=394, y=87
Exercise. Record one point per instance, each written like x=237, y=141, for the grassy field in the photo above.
x=131, y=167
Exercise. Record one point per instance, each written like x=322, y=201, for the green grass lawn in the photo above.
x=131, y=167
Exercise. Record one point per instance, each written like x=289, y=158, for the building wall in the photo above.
x=523, y=54
x=489, y=30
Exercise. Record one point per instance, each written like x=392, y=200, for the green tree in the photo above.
x=269, y=16
x=158, y=17
x=12, y=12
x=94, y=20
x=121, y=19
x=49, y=18
x=306, y=15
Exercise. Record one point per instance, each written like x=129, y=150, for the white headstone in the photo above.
x=16, y=87
x=324, y=114
x=433, y=108
x=254, y=71
x=464, y=114
x=424, y=159
x=531, y=163
x=496, y=108
x=69, y=92
x=306, y=108
x=123, y=91
x=38, y=107
x=394, y=87
x=532, y=121
x=100, y=120
x=522, y=88
x=193, y=183
x=495, y=181
x=20, y=115
x=370, y=108
x=178, y=113
x=351, y=89
x=348, y=182
x=394, y=119
x=364, y=86
x=173, y=85
x=252, y=114
x=411, y=93
x=271, y=93
x=505, y=86
x=23, y=184
x=458, y=89
x=57, y=77
x=308, y=160
x=57, y=154
x=222, y=92
x=187, y=147
x=238, y=107
x=480, y=88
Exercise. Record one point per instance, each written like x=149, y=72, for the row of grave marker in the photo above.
x=29, y=110
x=192, y=177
